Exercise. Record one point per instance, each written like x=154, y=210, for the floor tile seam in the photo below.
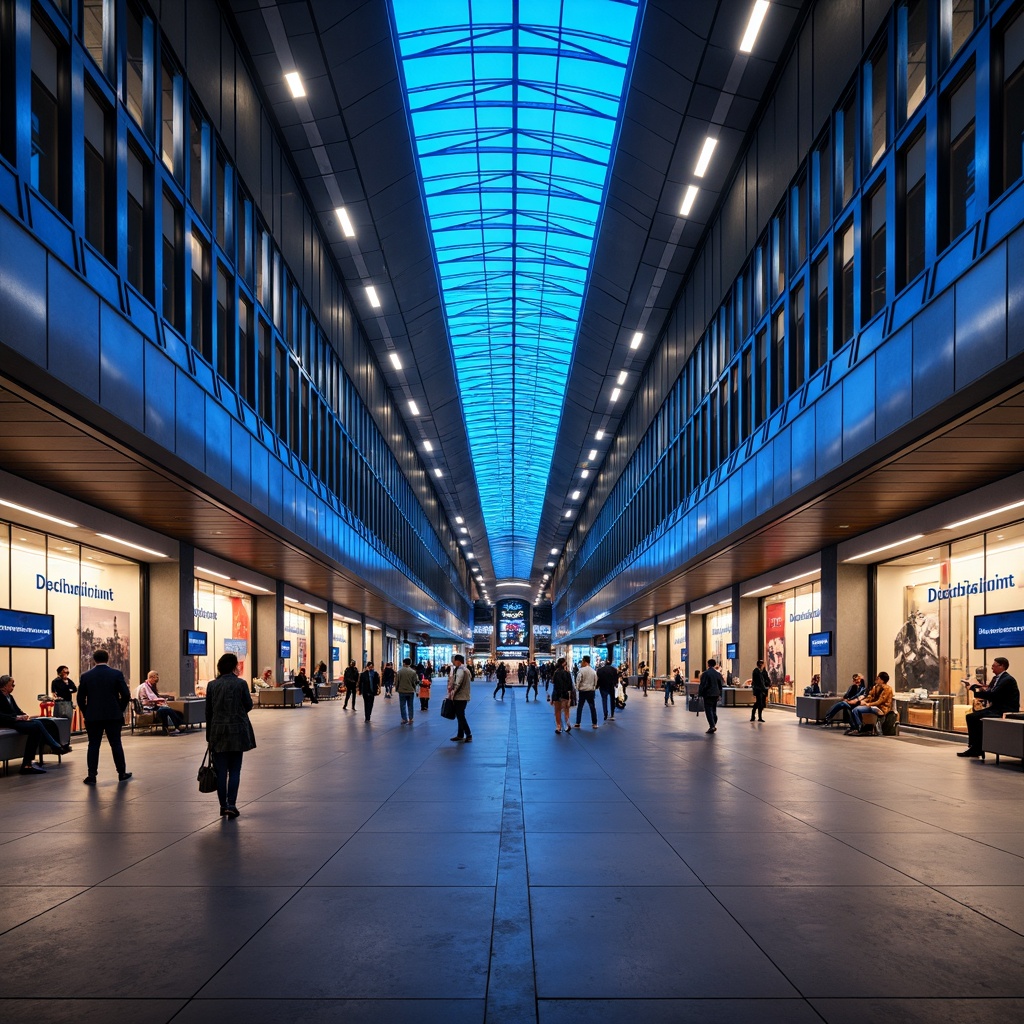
x=975, y=910
x=60, y=903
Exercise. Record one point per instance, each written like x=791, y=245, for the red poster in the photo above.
x=240, y=627
x=775, y=642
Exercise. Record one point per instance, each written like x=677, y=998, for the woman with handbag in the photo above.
x=561, y=695
x=228, y=731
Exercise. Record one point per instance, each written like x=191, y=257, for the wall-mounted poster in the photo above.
x=513, y=628
x=110, y=630
x=775, y=642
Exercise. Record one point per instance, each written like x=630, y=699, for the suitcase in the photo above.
x=695, y=703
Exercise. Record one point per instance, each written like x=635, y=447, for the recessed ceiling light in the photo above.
x=568, y=513
x=753, y=26
x=688, y=200
x=551, y=565
x=129, y=544
x=210, y=572
x=705, y=156
x=294, y=80
x=615, y=394
x=584, y=473
x=575, y=495
x=885, y=547
x=438, y=472
x=592, y=454
x=463, y=541
x=345, y=221
x=396, y=362
x=427, y=446
x=463, y=529
x=554, y=551
x=622, y=377
x=371, y=294
x=459, y=520
x=414, y=409
x=469, y=554
x=985, y=515
x=38, y=515
x=637, y=339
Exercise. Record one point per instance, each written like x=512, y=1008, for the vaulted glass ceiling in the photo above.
x=514, y=108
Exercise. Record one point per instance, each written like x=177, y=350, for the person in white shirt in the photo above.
x=586, y=684
x=152, y=701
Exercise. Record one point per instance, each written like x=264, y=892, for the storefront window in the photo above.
x=717, y=635
x=677, y=640
x=298, y=629
x=225, y=616
x=790, y=616
x=340, y=640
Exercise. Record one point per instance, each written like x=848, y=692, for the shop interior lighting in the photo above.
x=438, y=472
x=210, y=572
x=39, y=515
x=592, y=455
x=885, y=547
x=688, y=200
x=415, y=410
x=371, y=294
x=638, y=337
x=705, y=157
x=263, y=590
x=427, y=446
x=962, y=522
x=622, y=377
x=294, y=80
x=396, y=362
x=753, y=26
x=345, y=221
x=531, y=128
x=129, y=544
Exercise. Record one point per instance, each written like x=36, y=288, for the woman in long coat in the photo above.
x=228, y=731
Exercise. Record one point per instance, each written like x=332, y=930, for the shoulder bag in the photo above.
x=207, y=773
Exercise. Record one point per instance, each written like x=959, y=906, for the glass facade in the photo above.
x=789, y=617
x=298, y=631
x=226, y=616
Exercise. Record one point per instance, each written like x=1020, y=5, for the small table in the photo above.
x=192, y=710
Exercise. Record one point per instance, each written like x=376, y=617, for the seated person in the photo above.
x=35, y=730
x=301, y=680
x=152, y=701
x=879, y=699
x=265, y=681
x=854, y=692
x=1003, y=696
x=814, y=690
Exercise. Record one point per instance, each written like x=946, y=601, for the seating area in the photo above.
x=12, y=744
x=278, y=697
x=1003, y=737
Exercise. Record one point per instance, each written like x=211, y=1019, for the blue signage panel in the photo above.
x=730, y=651
x=819, y=645
x=26, y=629
x=285, y=649
x=195, y=643
x=1000, y=629
x=335, y=654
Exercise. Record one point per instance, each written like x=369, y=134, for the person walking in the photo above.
x=406, y=681
x=459, y=685
x=586, y=685
x=607, y=681
x=369, y=687
x=351, y=680
x=711, y=684
x=645, y=676
x=387, y=678
x=671, y=685
x=532, y=678
x=103, y=696
x=424, y=691
x=759, y=682
x=228, y=730
x=561, y=694
x=502, y=673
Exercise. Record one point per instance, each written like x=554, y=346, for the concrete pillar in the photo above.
x=844, y=611
x=269, y=630
x=171, y=612
x=746, y=631
x=321, y=647
x=694, y=642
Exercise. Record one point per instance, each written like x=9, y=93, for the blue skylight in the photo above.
x=514, y=107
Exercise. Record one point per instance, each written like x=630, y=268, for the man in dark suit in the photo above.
x=1003, y=696
x=36, y=730
x=710, y=688
x=369, y=684
x=103, y=696
x=760, y=681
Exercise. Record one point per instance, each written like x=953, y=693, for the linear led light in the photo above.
x=345, y=221
x=516, y=583
x=554, y=551
x=803, y=575
x=592, y=454
x=885, y=547
x=396, y=362
x=459, y=520
x=568, y=513
x=306, y=604
x=575, y=495
x=463, y=541
x=700, y=611
x=210, y=572
x=705, y=156
x=427, y=446
x=463, y=529
x=584, y=473
x=38, y=515
x=622, y=377
x=294, y=80
x=438, y=472
x=469, y=554
x=263, y=590
x=637, y=338
x=551, y=565
x=599, y=436
x=129, y=544
x=760, y=590
x=615, y=394
x=688, y=200
x=371, y=294
x=952, y=526
x=415, y=410
x=753, y=26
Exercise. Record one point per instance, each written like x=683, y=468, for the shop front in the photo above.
x=225, y=616
x=718, y=641
x=298, y=632
x=789, y=618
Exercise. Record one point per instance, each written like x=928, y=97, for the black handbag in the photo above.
x=448, y=708
x=207, y=774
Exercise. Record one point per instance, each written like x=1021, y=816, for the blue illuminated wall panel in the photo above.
x=514, y=110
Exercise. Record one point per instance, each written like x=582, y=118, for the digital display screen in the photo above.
x=1000, y=629
x=335, y=654
x=195, y=643
x=819, y=645
x=730, y=651
x=285, y=649
x=512, y=626
x=26, y=629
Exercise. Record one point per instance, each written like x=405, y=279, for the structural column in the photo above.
x=171, y=612
x=844, y=611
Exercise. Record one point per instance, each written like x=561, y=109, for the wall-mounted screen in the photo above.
x=819, y=645
x=195, y=643
x=730, y=651
x=26, y=629
x=1000, y=629
x=284, y=649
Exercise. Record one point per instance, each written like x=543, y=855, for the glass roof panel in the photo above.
x=514, y=107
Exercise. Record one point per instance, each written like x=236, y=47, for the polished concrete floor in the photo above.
x=640, y=872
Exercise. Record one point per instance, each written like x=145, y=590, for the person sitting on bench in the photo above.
x=35, y=730
x=854, y=692
x=879, y=700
